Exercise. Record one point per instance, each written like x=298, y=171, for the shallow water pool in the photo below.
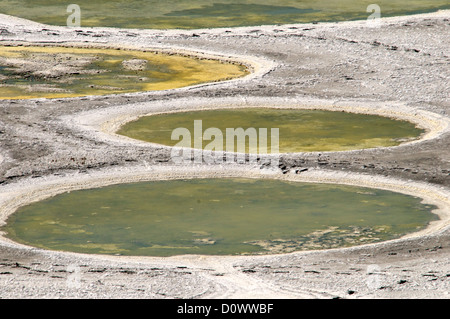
x=57, y=72
x=227, y=216
x=299, y=130
x=188, y=14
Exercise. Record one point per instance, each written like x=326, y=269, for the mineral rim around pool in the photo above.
x=299, y=130
x=189, y=14
x=227, y=216
x=56, y=72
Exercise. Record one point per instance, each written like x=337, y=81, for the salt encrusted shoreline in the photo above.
x=109, y=122
x=412, y=267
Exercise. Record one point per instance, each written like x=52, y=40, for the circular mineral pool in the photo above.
x=216, y=217
x=298, y=130
x=57, y=72
x=188, y=14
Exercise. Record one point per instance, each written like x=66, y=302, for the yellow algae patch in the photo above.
x=57, y=72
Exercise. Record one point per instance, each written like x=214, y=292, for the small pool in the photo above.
x=216, y=216
x=298, y=130
x=58, y=72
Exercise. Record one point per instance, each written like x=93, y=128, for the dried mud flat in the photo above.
x=403, y=65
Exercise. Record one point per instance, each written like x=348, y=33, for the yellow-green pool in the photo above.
x=58, y=72
x=300, y=130
x=188, y=14
x=229, y=216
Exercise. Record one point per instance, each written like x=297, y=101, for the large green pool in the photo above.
x=216, y=217
x=299, y=130
x=206, y=14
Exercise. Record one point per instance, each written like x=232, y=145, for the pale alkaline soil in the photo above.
x=404, y=61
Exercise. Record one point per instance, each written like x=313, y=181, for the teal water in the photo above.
x=188, y=14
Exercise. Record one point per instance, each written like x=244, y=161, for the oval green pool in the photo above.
x=299, y=130
x=188, y=14
x=230, y=216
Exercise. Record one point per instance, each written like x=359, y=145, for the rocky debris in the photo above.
x=59, y=66
x=135, y=64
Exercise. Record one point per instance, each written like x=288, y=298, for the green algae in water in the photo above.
x=188, y=14
x=299, y=130
x=58, y=72
x=216, y=217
